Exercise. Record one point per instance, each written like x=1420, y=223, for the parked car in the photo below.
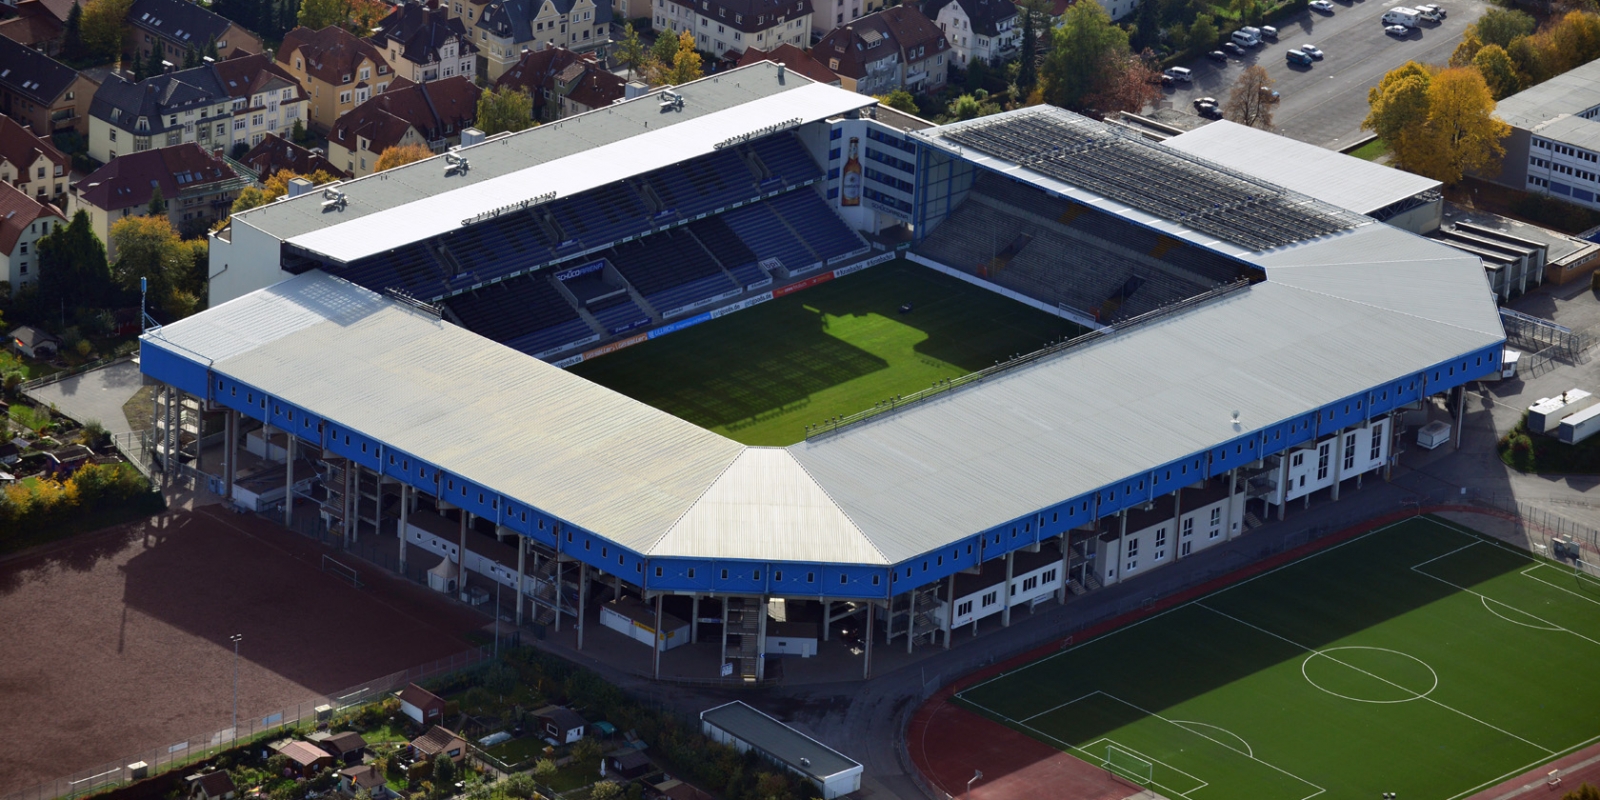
x=1234, y=49
x=1210, y=111
x=1311, y=50
x=1204, y=101
x=1431, y=13
x=1218, y=56
x=1436, y=9
x=1322, y=5
x=1270, y=94
x=1298, y=57
x=1179, y=74
x=1397, y=31
x=1167, y=81
x=1269, y=33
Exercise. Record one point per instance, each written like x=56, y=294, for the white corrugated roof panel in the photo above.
x=1332, y=177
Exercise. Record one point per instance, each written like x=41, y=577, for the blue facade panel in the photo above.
x=679, y=575
x=173, y=368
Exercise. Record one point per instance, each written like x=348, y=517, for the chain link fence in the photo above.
x=193, y=749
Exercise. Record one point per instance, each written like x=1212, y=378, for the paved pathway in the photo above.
x=95, y=395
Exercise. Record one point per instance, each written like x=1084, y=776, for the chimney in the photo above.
x=471, y=136
x=634, y=89
x=781, y=69
x=299, y=186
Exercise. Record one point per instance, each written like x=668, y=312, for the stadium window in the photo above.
x=755, y=575
x=524, y=516
x=691, y=573
x=875, y=580
x=843, y=580
x=777, y=576
x=233, y=391
x=586, y=544
x=363, y=448
x=639, y=568
x=724, y=574
x=569, y=536
x=603, y=553
x=939, y=562
x=811, y=577
x=347, y=439
x=908, y=572
x=619, y=561
x=480, y=498
x=969, y=549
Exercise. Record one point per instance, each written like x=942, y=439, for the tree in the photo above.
x=1078, y=50
x=1532, y=55
x=154, y=64
x=685, y=64
x=1464, y=130
x=361, y=16
x=1501, y=25
x=1252, y=99
x=1498, y=71
x=965, y=107
x=148, y=248
x=444, y=771
x=102, y=28
x=663, y=51
x=1399, y=103
x=72, y=267
x=1467, y=50
x=1587, y=791
x=401, y=154
x=586, y=750
x=544, y=768
x=631, y=51
x=508, y=109
x=1149, y=23
x=72, y=36
x=1575, y=40
x=158, y=204
x=319, y=14
x=900, y=100
x=1027, y=60
x=1123, y=82
x=1203, y=32
x=605, y=790
x=298, y=132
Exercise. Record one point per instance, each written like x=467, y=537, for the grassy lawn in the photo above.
x=518, y=750
x=140, y=410
x=31, y=370
x=761, y=375
x=1397, y=662
x=1371, y=151
x=1539, y=454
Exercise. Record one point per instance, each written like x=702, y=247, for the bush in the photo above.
x=605, y=790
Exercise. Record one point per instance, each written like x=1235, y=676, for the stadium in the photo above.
x=1127, y=354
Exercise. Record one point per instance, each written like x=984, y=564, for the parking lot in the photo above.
x=1324, y=104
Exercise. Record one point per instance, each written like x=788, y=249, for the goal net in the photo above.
x=344, y=572
x=1588, y=574
x=1128, y=765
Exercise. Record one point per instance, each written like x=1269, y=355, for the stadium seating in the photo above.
x=589, y=287
x=513, y=308
x=539, y=341
x=768, y=237
x=723, y=243
x=749, y=275
x=786, y=159
x=670, y=269
x=605, y=214
x=703, y=184
x=823, y=230
x=500, y=246
x=411, y=268
x=618, y=313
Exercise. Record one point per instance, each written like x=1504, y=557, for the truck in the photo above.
x=1298, y=56
x=1402, y=15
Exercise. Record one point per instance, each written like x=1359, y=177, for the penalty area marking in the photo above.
x=1490, y=608
x=1185, y=723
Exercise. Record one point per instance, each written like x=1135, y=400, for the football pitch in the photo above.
x=761, y=375
x=1422, y=659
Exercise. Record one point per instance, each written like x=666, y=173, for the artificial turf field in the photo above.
x=1422, y=659
x=761, y=375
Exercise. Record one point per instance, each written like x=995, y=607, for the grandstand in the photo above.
x=388, y=321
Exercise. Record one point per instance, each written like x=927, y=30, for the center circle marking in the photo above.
x=1326, y=654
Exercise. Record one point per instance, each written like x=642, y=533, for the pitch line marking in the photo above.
x=1384, y=680
x=1418, y=567
x=1324, y=551
x=1055, y=708
x=1415, y=695
x=1185, y=723
x=1489, y=608
x=1106, y=740
x=1522, y=769
x=1525, y=574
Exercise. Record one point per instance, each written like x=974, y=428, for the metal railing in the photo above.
x=68, y=373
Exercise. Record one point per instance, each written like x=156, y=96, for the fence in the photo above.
x=198, y=748
x=135, y=448
x=1541, y=336
x=1539, y=525
x=64, y=374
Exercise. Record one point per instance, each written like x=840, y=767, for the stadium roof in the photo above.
x=1121, y=173
x=411, y=203
x=1334, y=178
x=1570, y=93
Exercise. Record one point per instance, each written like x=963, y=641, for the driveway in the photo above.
x=1325, y=103
x=94, y=395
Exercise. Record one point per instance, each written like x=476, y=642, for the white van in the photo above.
x=1245, y=40
x=1180, y=74
x=1401, y=15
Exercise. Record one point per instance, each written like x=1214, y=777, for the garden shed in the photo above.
x=560, y=725
x=34, y=343
x=422, y=706
x=743, y=728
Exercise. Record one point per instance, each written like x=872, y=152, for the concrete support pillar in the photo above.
x=169, y=439
x=1122, y=535
x=1461, y=413
x=583, y=598
x=522, y=559
x=911, y=616
x=694, y=621
x=1283, y=484
x=1231, y=518
x=291, y=446
x=405, y=521
x=461, y=556
x=1177, y=525
x=1005, y=592
x=230, y=452
x=761, y=639
x=558, y=577
x=722, y=655
x=1338, y=462
x=827, y=618
x=949, y=607
x=656, y=655
x=866, y=660
x=347, y=502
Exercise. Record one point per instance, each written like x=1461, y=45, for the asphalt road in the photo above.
x=1325, y=103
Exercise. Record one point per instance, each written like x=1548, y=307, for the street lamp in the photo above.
x=977, y=775
x=235, y=639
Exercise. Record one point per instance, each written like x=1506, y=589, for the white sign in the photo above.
x=727, y=668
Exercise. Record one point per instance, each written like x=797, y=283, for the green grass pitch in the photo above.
x=1422, y=659
x=761, y=375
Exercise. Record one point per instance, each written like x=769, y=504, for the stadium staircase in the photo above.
x=744, y=622
x=546, y=599
x=923, y=623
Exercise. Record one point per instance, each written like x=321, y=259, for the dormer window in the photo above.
x=345, y=78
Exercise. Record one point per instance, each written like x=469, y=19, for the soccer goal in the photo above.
x=1587, y=573
x=1128, y=765
x=342, y=571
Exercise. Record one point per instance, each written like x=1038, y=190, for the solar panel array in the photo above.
x=1122, y=167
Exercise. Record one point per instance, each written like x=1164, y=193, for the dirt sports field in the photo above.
x=116, y=642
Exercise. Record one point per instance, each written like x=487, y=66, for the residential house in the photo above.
x=198, y=187
x=729, y=26
x=214, y=785
x=10, y=452
x=353, y=780
x=439, y=741
x=559, y=724
x=830, y=14
x=160, y=111
x=628, y=763
x=32, y=164
x=42, y=93
x=339, y=70
x=275, y=154
x=565, y=82
x=502, y=28
x=430, y=114
x=585, y=86
x=308, y=759
x=24, y=220
x=896, y=48
x=36, y=25
x=977, y=29
x=345, y=747
x=794, y=58
x=266, y=97
x=422, y=706
x=33, y=343
x=535, y=73
x=175, y=28
x=425, y=44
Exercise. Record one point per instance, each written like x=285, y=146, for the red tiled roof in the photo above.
x=19, y=146
x=536, y=71
x=216, y=784
x=436, y=109
x=127, y=180
x=57, y=8
x=247, y=74
x=303, y=753
x=274, y=154
x=331, y=53
x=437, y=740
x=598, y=87
x=794, y=58
x=17, y=212
x=32, y=28
x=419, y=697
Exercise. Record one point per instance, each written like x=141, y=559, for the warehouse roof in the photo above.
x=408, y=204
x=1572, y=92
x=779, y=741
x=1332, y=177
